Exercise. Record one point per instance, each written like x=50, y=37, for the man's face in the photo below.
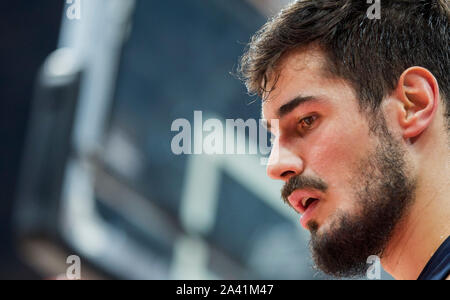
x=351, y=169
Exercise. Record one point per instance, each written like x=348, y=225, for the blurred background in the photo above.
x=89, y=90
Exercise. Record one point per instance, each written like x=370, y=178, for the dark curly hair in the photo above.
x=371, y=54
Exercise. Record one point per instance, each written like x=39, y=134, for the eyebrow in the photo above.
x=291, y=105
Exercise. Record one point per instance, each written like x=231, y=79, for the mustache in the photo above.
x=302, y=182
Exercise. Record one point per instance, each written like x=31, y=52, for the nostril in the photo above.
x=287, y=173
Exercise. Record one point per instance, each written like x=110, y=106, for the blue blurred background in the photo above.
x=87, y=105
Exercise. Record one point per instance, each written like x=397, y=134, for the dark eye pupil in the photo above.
x=308, y=121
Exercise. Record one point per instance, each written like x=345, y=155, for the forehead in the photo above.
x=300, y=73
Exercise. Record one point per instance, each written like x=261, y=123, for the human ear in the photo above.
x=418, y=94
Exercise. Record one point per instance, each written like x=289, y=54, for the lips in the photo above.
x=304, y=201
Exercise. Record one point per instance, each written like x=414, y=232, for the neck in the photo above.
x=426, y=226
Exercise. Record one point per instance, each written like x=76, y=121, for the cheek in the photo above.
x=337, y=149
x=335, y=156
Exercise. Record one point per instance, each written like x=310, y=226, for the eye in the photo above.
x=307, y=123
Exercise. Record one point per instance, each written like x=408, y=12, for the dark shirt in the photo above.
x=438, y=268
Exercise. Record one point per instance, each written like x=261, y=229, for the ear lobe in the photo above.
x=418, y=93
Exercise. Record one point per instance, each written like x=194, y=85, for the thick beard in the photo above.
x=384, y=192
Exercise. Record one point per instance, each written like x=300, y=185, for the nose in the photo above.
x=283, y=163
